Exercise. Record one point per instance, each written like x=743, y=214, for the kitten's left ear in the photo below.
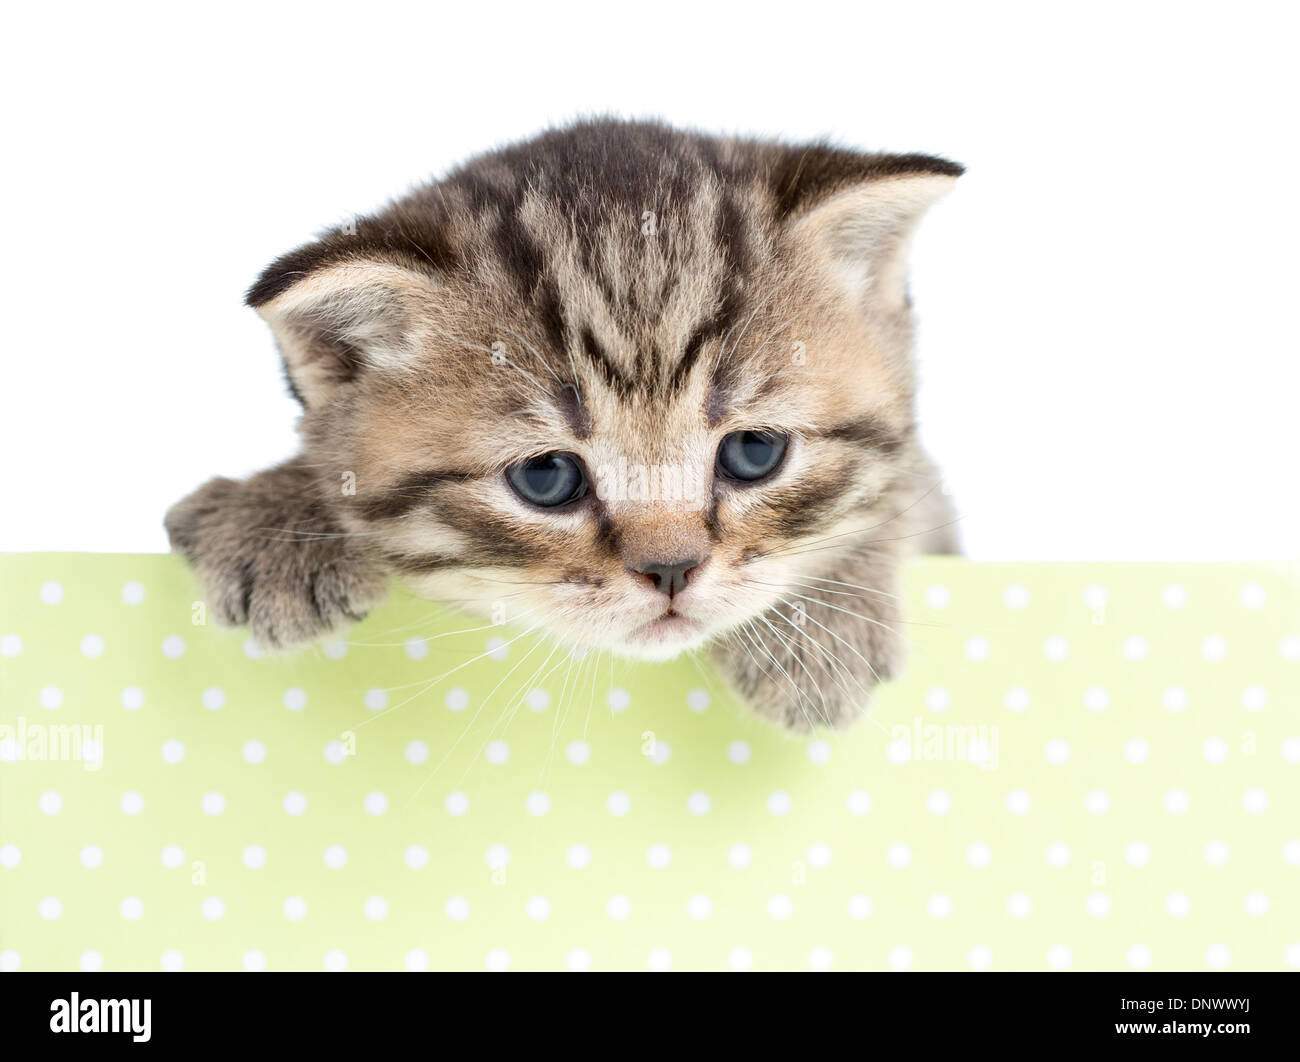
x=859, y=212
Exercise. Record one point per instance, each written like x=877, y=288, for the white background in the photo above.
x=1108, y=299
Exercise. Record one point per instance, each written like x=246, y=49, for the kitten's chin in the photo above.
x=662, y=639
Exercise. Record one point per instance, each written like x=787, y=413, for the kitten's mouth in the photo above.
x=672, y=626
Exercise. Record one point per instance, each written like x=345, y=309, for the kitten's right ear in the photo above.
x=336, y=318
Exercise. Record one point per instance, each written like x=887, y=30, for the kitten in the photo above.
x=650, y=390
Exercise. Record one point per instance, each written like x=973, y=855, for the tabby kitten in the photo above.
x=650, y=389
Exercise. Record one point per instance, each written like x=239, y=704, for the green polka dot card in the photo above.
x=1084, y=767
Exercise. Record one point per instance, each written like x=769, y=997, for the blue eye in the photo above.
x=749, y=456
x=549, y=480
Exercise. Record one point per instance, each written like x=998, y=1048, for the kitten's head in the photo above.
x=620, y=382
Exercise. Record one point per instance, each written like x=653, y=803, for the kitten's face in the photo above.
x=638, y=418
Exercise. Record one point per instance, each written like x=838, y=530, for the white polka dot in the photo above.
x=1252, y=596
x=538, y=700
x=1137, y=853
x=417, y=960
x=1289, y=647
x=334, y=648
x=859, y=802
x=498, y=648
x=417, y=648
x=537, y=804
x=898, y=855
x=497, y=752
x=1018, y=802
x=1291, y=750
x=335, y=752
x=659, y=856
x=92, y=646
x=697, y=700
x=1178, y=904
x=1097, y=905
x=375, y=699
x=1019, y=905
x=254, y=857
x=780, y=907
x=977, y=649
x=578, y=856
x=1138, y=957
x=660, y=751
x=213, y=803
x=91, y=961
x=1135, y=648
x=51, y=592
x=51, y=697
x=172, y=961
x=1214, y=648
x=1015, y=597
x=457, y=700
x=336, y=960
x=699, y=803
x=92, y=856
x=456, y=908
x=1056, y=648
x=295, y=699
x=859, y=906
x=51, y=803
x=10, y=856
x=1214, y=750
x=900, y=959
x=254, y=961
x=1059, y=957
x=254, y=752
x=979, y=958
x=10, y=646
x=819, y=855
x=1216, y=853
x=779, y=803
x=1016, y=699
x=1173, y=596
x=252, y=650
x=133, y=593
x=939, y=905
x=1174, y=699
x=1255, y=801
x=497, y=856
x=979, y=854
x=132, y=803
x=618, y=908
x=738, y=752
x=938, y=699
x=1095, y=597
x=214, y=699
x=294, y=908
x=49, y=908
x=131, y=908
x=214, y=908
x=1137, y=751
x=375, y=908
x=820, y=959
x=740, y=856
x=1254, y=698
x=1292, y=955
x=938, y=596
x=335, y=857
x=579, y=752
x=819, y=752
x=172, y=856
x=173, y=751
x=618, y=803
x=699, y=907
x=1256, y=904
x=1217, y=956
x=1291, y=852
x=294, y=803
x=132, y=698
x=578, y=960
x=416, y=856
x=1097, y=801
x=376, y=803
x=1096, y=699
x=618, y=700
x=1057, y=751
x=173, y=647
x=456, y=804
x=899, y=752
x=938, y=802
x=1058, y=854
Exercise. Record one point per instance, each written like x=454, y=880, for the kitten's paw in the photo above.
x=269, y=555
x=813, y=665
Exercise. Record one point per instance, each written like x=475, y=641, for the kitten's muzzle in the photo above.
x=669, y=577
